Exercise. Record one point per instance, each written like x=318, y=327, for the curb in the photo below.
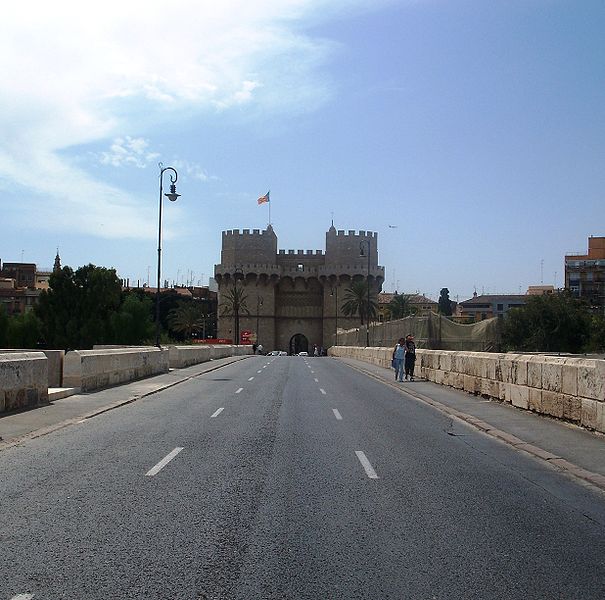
x=595, y=479
x=32, y=435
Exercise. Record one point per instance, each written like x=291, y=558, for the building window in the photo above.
x=500, y=307
x=300, y=267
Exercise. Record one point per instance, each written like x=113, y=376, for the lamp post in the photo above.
x=236, y=302
x=361, y=250
x=259, y=303
x=172, y=196
x=334, y=292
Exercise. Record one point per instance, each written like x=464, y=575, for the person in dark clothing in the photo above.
x=410, y=356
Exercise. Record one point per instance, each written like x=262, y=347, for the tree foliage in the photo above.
x=3, y=327
x=187, y=318
x=445, y=304
x=548, y=323
x=76, y=310
x=132, y=324
x=400, y=306
x=233, y=302
x=355, y=302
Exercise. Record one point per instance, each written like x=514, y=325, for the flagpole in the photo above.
x=269, y=203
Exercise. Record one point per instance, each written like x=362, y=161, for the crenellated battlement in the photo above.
x=361, y=234
x=245, y=233
x=302, y=252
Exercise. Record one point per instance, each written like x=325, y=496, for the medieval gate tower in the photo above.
x=294, y=298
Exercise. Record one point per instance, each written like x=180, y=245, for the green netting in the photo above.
x=432, y=331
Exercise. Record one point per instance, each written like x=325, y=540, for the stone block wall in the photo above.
x=185, y=356
x=572, y=389
x=93, y=369
x=55, y=364
x=23, y=380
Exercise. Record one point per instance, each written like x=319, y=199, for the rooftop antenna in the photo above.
x=542, y=272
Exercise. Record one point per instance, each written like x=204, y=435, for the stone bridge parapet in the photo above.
x=567, y=388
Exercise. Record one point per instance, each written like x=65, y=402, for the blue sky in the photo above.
x=469, y=134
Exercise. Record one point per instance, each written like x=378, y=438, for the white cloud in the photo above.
x=77, y=73
x=128, y=152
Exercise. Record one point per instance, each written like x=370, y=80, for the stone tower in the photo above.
x=294, y=298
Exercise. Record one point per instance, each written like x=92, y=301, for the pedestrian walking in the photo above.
x=398, y=356
x=410, y=356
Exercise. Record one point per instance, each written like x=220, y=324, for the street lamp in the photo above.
x=172, y=196
x=259, y=303
x=361, y=250
x=236, y=303
x=334, y=292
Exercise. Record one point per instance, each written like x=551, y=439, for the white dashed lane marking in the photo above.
x=217, y=413
x=250, y=378
x=322, y=391
x=260, y=371
x=22, y=597
x=155, y=470
x=316, y=380
x=337, y=414
x=238, y=390
x=366, y=465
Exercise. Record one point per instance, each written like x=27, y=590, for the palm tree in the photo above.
x=356, y=301
x=186, y=318
x=233, y=304
x=399, y=306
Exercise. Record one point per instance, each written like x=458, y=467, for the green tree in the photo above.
x=400, y=306
x=133, y=323
x=445, y=304
x=24, y=331
x=548, y=323
x=355, y=301
x=187, y=318
x=3, y=327
x=234, y=303
x=76, y=310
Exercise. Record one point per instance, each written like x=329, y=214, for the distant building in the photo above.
x=486, y=306
x=585, y=273
x=294, y=298
x=540, y=290
x=419, y=304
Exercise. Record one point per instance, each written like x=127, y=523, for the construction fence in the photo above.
x=433, y=331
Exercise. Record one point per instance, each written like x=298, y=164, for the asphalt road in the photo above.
x=290, y=478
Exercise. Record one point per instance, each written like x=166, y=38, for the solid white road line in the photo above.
x=250, y=378
x=322, y=391
x=337, y=414
x=155, y=470
x=366, y=465
x=22, y=597
x=238, y=390
x=217, y=413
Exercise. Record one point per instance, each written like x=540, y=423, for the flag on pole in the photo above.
x=264, y=198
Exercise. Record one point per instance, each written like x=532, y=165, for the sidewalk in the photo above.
x=569, y=447
x=66, y=411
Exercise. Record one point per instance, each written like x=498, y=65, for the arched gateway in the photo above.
x=293, y=298
x=298, y=343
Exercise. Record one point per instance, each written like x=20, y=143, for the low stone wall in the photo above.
x=93, y=369
x=55, y=364
x=185, y=356
x=23, y=380
x=567, y=388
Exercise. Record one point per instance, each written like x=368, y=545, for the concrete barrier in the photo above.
x=93, y=369
x=23, y=380
x=572, y=389
x=55, y=364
